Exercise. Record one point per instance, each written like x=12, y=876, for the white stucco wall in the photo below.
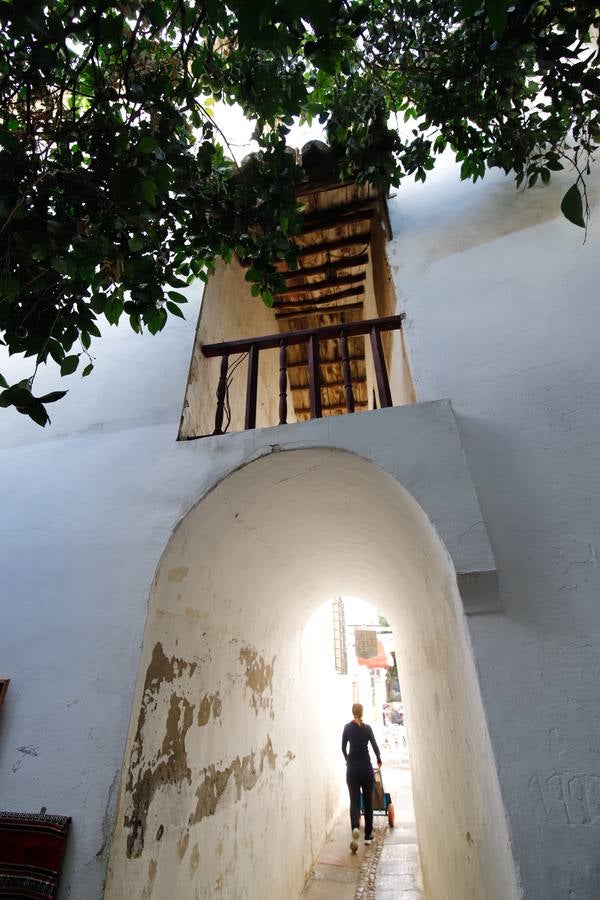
x=503, y=319
x=229, y=782
x=85, y=521
x=230, y=312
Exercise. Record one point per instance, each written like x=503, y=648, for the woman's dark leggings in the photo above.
x=361, y=779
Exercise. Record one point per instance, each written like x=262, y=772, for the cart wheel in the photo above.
x=390, y=814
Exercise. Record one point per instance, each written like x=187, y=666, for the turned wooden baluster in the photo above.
x=383, y=385
x=314, y=373
x=221, y=391
x=251, y=387
x=347, y=372
x=283, y=381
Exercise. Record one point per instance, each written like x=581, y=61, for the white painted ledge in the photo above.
x=420, y=446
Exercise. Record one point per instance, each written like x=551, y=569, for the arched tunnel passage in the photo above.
x=229, y=780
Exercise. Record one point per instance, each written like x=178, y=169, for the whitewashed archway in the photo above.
x=228, y=783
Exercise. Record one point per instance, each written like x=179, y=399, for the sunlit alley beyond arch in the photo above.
x=231, y=774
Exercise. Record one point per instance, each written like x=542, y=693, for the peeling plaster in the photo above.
x=170, y=766
x=107, y=818
x=182, y=844
x=194, y=859
x=178, y=574
x=152, y=869
x=245, y=772
x=259, y=678
x=237, y=777
x=210, y=703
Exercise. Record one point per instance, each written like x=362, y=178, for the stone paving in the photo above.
x=388, y=869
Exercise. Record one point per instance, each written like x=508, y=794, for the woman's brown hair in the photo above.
x=357, y=712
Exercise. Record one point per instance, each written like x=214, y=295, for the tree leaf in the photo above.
x=135, y=243
x=148, y=189
x=174, y=309
x=176, y=297
x=497, y=13
x=87, y=370
x=37, y=412
x=147, y=144
x=93, y=329
x=16, y=395
x=52, y=397
x=69, y=364
x=470, y=7
x=572, y=206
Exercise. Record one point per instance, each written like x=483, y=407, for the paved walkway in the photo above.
x=387, y=869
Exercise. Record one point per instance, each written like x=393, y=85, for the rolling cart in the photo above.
x=382, y=801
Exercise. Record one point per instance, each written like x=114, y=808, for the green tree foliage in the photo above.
x=116, y=188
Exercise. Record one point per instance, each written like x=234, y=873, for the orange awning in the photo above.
x=380, y=661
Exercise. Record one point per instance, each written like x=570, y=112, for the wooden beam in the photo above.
x=341, y=209
x=251, y=388
x=327, y=362
x=314, y=377
x=319, y=310
x=381, y=376
x=330, y=384
x=338, y=407
x=291, y=338
x=355, y=240
x=326, y=223
x=317, y=301
x=347, y=262
x=320, y=187
x=348, y=380
x=311, y=287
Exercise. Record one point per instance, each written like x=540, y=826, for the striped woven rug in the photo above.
x=31, y=851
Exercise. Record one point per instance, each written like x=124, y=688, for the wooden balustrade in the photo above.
x=311, y=337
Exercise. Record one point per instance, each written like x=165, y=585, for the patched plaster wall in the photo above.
x=503, y=318
x=230, y=312
x=85, y=521
x=254, y=786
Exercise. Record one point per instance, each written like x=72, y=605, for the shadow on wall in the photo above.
x=227, y=789
x=426, y=217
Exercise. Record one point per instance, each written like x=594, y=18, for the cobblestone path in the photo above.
x=388, y=869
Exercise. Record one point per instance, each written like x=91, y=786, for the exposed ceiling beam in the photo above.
x=346, y=262
x=355, y=240
x=327, y=298
x=327, y=222
x=340, y=209
x=309, y=311
x=331, y=384
x=339, y=407
x=314, y=286
x=327, y=362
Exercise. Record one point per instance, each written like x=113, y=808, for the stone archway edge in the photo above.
x=420, y=446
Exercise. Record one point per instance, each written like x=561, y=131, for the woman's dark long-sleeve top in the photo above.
x=359, y=737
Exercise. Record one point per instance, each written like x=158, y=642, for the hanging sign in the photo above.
x=366, y=643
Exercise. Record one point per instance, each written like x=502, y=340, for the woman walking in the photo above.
x=359, y=772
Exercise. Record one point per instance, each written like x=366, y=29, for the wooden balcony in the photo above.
x=310, y=341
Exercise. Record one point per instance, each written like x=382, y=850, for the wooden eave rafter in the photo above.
x=312, y=287
x=333, y=267
x=312, y=310
x=338, y=265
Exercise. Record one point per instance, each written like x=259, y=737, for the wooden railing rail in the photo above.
x=311, y=337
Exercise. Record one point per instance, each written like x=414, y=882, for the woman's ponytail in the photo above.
x=357, y=712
